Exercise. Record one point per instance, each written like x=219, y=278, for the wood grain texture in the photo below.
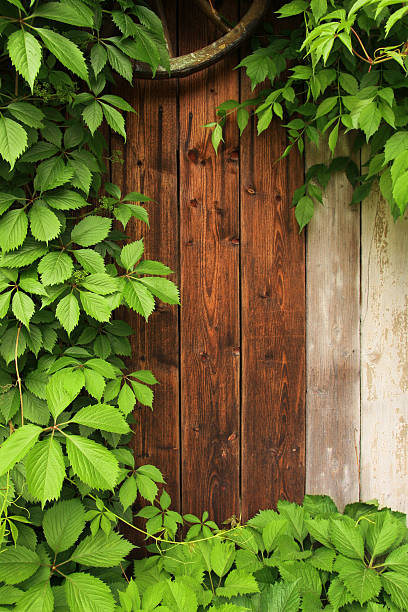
x=151, y=167
x=273, y=323
x=333, y=342
x=209, y=247
x=384, y=356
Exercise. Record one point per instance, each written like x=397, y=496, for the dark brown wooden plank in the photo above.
x=151, y=167
x=209, y=247
x=273, y=322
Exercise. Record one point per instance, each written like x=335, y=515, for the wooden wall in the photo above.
x=286, y=367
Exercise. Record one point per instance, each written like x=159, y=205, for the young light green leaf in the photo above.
x=91, y=230
x=4, y=303
x=16, y=446
x=67, y=312
x=62, y=388
x=93, y=463
x=346, y=538
x=44, y=223
x=94, y=383
x=52, y=173
x=362, y=582
x=304, y=211
x=238, y=582
x=91, y=261
x=87, y=593
x=13, y=140
x=13, y=229
x=25, y=54
x=102, y=416
x=139, y=298
x=17, y=563
x=101, y=283
x=55, y=268
x=131, y=253
x=162, y=288
x=102, y=550
x=128, y=492
x=45, y=470
x=95, y=305
x=63, y=523
x=144, y=394
x=65, y=51
x=38, y=597
x=23, y=307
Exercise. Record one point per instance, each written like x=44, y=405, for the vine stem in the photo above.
x=18, y=375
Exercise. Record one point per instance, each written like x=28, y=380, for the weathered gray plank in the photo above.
x=384, y=356
x=333, y=359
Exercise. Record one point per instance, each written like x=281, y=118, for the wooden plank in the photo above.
x=209, y=239
x=384, y=356
x=333, y=355
x=273, y=323
x=151, y=167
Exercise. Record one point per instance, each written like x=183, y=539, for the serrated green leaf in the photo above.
x=362, y=582
x=55, y=268
x=396, y=585
x=52, y=173
x=67, y=312
x=280, y=597
x=131, y=253
x=98, y=58
x=23, y=307
x=62, y=388
x=25, y=54
x=113, y=118
x=238, y=582
x=338, y=594
x=102, y=550
x=45, y=470
x=222, y=557
x=38, y=598
x=17, y=564
x=91, y=230
x=381, y=535
x=73, y=12
x=93, y=463
x=4, y=304
x=93, y=116
x=16, y=446
x=95, y=306
x=65, y=199
x=91, y=261
x=65, y=51
x=63, y=523
x=144, y=394
x=346, y=537
x=138, y=298
x=86, y=593
x=45, y=225
x=102, y=416
x=100, y=283
x=162, y=288
x=128, y=492
x=94, y=383
x=13, y=229
x=26, y=113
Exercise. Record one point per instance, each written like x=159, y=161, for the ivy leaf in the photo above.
x=128, y=492
x=13, y=140
x=162, y=288
x=51, y=173
x=65, y=51
x=102, y=550
x=304, y=211
x=95, y=306
x=92, y=462
x=131, y=253
x=44, y=223
x=100, y=283
x=45, y=470
x=93, y=116
x=55, y=268
x=102, y=416
x=91, y=261
x=67, y=312
x=38, y=597
x=114, y=119
x=91, y=230
x=25, y=54
x=63, y=523
x=17, y=563
x=23, y=307
x=88, y=593
x=62, y=388
x=16, y=446
x=94, y=383
x=138, y=298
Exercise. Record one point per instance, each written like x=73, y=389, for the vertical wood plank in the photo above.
x=273, y=323
x=151, y=167
x=384, y=356
x=333, y=344
x=209, y=244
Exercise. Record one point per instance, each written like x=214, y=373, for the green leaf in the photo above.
x=147, y=49
x=114, y=119
x=363, y=582
x=94, y=383
x=162, y=288
x=148, y=266
x=222, y=557
x=347, y=538
x=178, y=597
x=62, y=388
x=272, y=532
x=319, y=8
x=280, y=597
x=100, y=283
x=139, y=298
x=55, y=268
x=63, y=523
x=24, y=256
x=44, y=223
x=334, y=134
x=147, y=488
x=102, y=416
x=396, y=586
x=17, y=563
x=304, y=211
x=93, y=116
x=119, y=62
x=369, y=119
x=52, y=173
x=326, y=106
x=98, y=58
x=238, y=582
x=67, y=312
x=45, y=470
x=72, y=12
x=27, y=113
x=126, y=399
x=338, y=594
x=323, y=559
x=93, y=463
x=13, y=140
x=91, y=230
x=395, y=18
x=13, y=229
x=144, y=394
x=383, y=533
x=16, y=446
x=102, y=550
x=128, y=492
x=4, y=304
x=242, y=119
x=38, y=598
x=292, y=8
x=91, y=261
x=95, y=306
x=86, y=593
x=23, y=307
x=25, y=54
x=264, y=120
x=65, y=51
x=216, y=137
x=39, y=151
x=65, y=199
x=395, y=145
x=398, y=560
x=400, y=191
x=131, y=253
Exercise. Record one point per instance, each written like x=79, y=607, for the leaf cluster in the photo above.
x=333, y=67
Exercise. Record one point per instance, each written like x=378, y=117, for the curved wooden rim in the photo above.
x=202, y=58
